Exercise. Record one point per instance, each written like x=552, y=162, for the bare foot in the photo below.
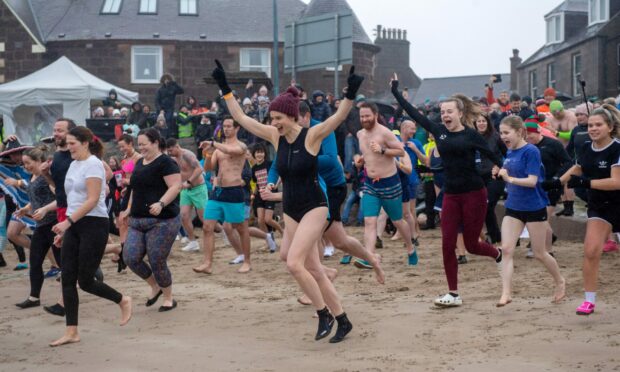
x=503, y=301
x=332, y=274
x=304, y=300
x=203, y=269
x=126, y=310
x=376, y=266
x=66, y=339
x=560, y=292
x=245, y=268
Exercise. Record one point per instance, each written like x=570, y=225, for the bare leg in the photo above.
x=381, y=222
x=209, y=246
x=538, y=234
x=511, y=230
x=597, y=232
x=405, y=232
x=271, y=222
x=242, y=229
x=370, y=233
x=186, y=221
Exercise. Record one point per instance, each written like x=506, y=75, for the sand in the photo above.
x=252, y=322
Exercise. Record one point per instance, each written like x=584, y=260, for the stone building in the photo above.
x=583, y=43
x=131, y=43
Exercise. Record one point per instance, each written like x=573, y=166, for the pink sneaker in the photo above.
x=586, y=308
x=610, y=246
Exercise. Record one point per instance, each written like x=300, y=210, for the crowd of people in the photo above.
x=408, y=168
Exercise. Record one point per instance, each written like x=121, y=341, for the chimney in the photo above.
x=515, y=61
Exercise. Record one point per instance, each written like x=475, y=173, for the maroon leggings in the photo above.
x=466, y=210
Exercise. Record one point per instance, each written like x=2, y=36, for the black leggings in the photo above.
x=42, y=240
x=82, y=250
x=495, y=190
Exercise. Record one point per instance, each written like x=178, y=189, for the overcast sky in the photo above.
x=460, y=37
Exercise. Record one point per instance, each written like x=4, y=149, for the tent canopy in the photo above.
x=31, y=104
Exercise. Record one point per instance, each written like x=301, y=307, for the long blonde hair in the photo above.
x=470, y=109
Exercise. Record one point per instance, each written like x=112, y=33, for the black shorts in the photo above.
x=336, y=196
x=265, y=204
x=528, y=216
x=609, y=214
x=554, y=196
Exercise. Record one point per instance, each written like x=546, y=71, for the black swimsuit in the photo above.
x=299, y=172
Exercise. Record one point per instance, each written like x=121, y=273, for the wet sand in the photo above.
x=252, y=322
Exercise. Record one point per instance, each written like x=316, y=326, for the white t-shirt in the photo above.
x=75, y=185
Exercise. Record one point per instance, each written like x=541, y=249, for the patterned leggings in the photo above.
x=153, y=237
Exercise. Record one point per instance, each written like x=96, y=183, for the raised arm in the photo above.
x=413, y=112
x=317, y=133
x=266, y=132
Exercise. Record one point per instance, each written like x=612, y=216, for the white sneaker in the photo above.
x=271, y=243
x=178, y=237
x=185, y=240
x=192, y=246
x=530, y=253
x=239, y=259
x=329, y=251
x=225, y=239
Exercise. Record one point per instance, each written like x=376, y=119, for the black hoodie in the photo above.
x=137, y=116
x=114, y=102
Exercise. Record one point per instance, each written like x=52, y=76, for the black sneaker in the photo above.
x=28, y=304
x=56, y=309
x=462, y=260
x=326, y=322
x=379, y=243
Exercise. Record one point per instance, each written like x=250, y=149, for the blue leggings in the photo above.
x=153, y=237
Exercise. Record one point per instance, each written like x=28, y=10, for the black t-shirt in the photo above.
x=60, y=166
x=596, y=164
x=458, y=151
x=579, y=138
x=148, y=186
x=554, y=157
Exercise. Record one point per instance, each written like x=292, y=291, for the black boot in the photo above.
x=326, y=322
x=121, y=265
x=344, y=327
x=568, y=209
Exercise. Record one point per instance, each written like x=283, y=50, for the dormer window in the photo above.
x=555, y=28
x=148, y=7
x=111, y=7
x=598, y=11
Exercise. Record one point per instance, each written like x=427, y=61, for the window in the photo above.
x=533, y=84
x=256, y=60
x=146, y=64
x=598, y=11
x=576, y=67
x=555, y=29
x=148, y=7
x=111, y=7
x=188, y=7
x=551, y=75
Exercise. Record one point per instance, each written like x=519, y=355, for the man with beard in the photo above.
x=227, y=201
x=382, y=189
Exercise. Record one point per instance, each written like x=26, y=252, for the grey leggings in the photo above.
x=153, y=237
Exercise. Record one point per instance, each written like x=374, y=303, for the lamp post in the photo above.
x=276, y=54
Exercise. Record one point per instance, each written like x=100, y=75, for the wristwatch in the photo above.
x=162, y=204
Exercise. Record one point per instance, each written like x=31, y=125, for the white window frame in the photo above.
x=553, y=20
x=243, y=67
x=575, y=75
x=111, y=6
x=532, y=76
x=185, y=8
x=594, y=11
x=160, y=65
x=551, y=81
x=150, y=5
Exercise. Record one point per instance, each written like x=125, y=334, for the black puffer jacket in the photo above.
x=137, y=116
x=166, y=94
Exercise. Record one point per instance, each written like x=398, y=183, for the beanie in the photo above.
x=555, y=106
x=549, y=92
x=247, y=101
x=531, y=124
x=287, y=103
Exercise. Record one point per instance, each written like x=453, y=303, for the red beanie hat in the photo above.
x=550, y=92
x=287, y=103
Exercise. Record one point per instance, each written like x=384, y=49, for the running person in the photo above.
x=264, y=208
x=194, y=189
x=465, y=200
x=304, y=204
x=526, y=204
x=84, y=233
x=227, y=201
x=382, y=189
x=598, y=171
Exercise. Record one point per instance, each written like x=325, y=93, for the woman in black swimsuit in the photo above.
x=304, y=201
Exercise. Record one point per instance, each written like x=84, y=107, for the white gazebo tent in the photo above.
x=31, y=104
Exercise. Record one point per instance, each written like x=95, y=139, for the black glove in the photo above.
x=353, y=84
x=395, y=86
x=553, y=184
x=219, y=76
x=578, y=182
